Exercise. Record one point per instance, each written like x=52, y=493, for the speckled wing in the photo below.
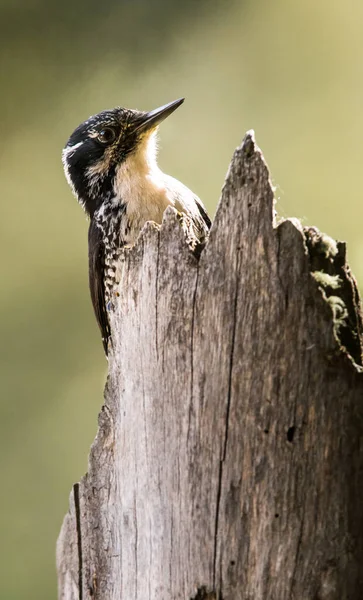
x=96, y=258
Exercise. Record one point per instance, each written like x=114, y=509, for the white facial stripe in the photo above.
x=69, y=151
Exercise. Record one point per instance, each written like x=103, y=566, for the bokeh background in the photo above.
x=293, y=71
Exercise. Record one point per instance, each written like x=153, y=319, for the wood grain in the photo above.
x=228, y=461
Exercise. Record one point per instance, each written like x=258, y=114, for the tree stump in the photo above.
x=228, y=461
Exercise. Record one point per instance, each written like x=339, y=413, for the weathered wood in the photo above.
x=228, y=461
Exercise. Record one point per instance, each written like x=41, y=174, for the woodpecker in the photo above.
x=110, y=164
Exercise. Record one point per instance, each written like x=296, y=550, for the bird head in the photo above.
x=98, y=148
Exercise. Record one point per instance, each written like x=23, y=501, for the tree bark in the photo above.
x=228, y=461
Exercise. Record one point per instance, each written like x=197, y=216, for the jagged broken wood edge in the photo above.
x=324, y=255
x=69, y=549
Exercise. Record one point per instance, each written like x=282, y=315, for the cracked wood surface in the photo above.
x=228, y=459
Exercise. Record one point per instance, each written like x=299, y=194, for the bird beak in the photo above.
x=152, y=119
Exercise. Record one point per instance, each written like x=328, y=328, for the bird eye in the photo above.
x=106, y=135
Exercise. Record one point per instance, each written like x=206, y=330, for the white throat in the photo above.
x=141, y=186
x=139, y=176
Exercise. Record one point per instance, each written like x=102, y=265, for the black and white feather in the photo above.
x=110, y=164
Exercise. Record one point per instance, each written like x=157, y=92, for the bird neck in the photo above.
x=138, y=181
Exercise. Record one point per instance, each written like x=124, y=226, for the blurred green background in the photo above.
x=290, y=70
